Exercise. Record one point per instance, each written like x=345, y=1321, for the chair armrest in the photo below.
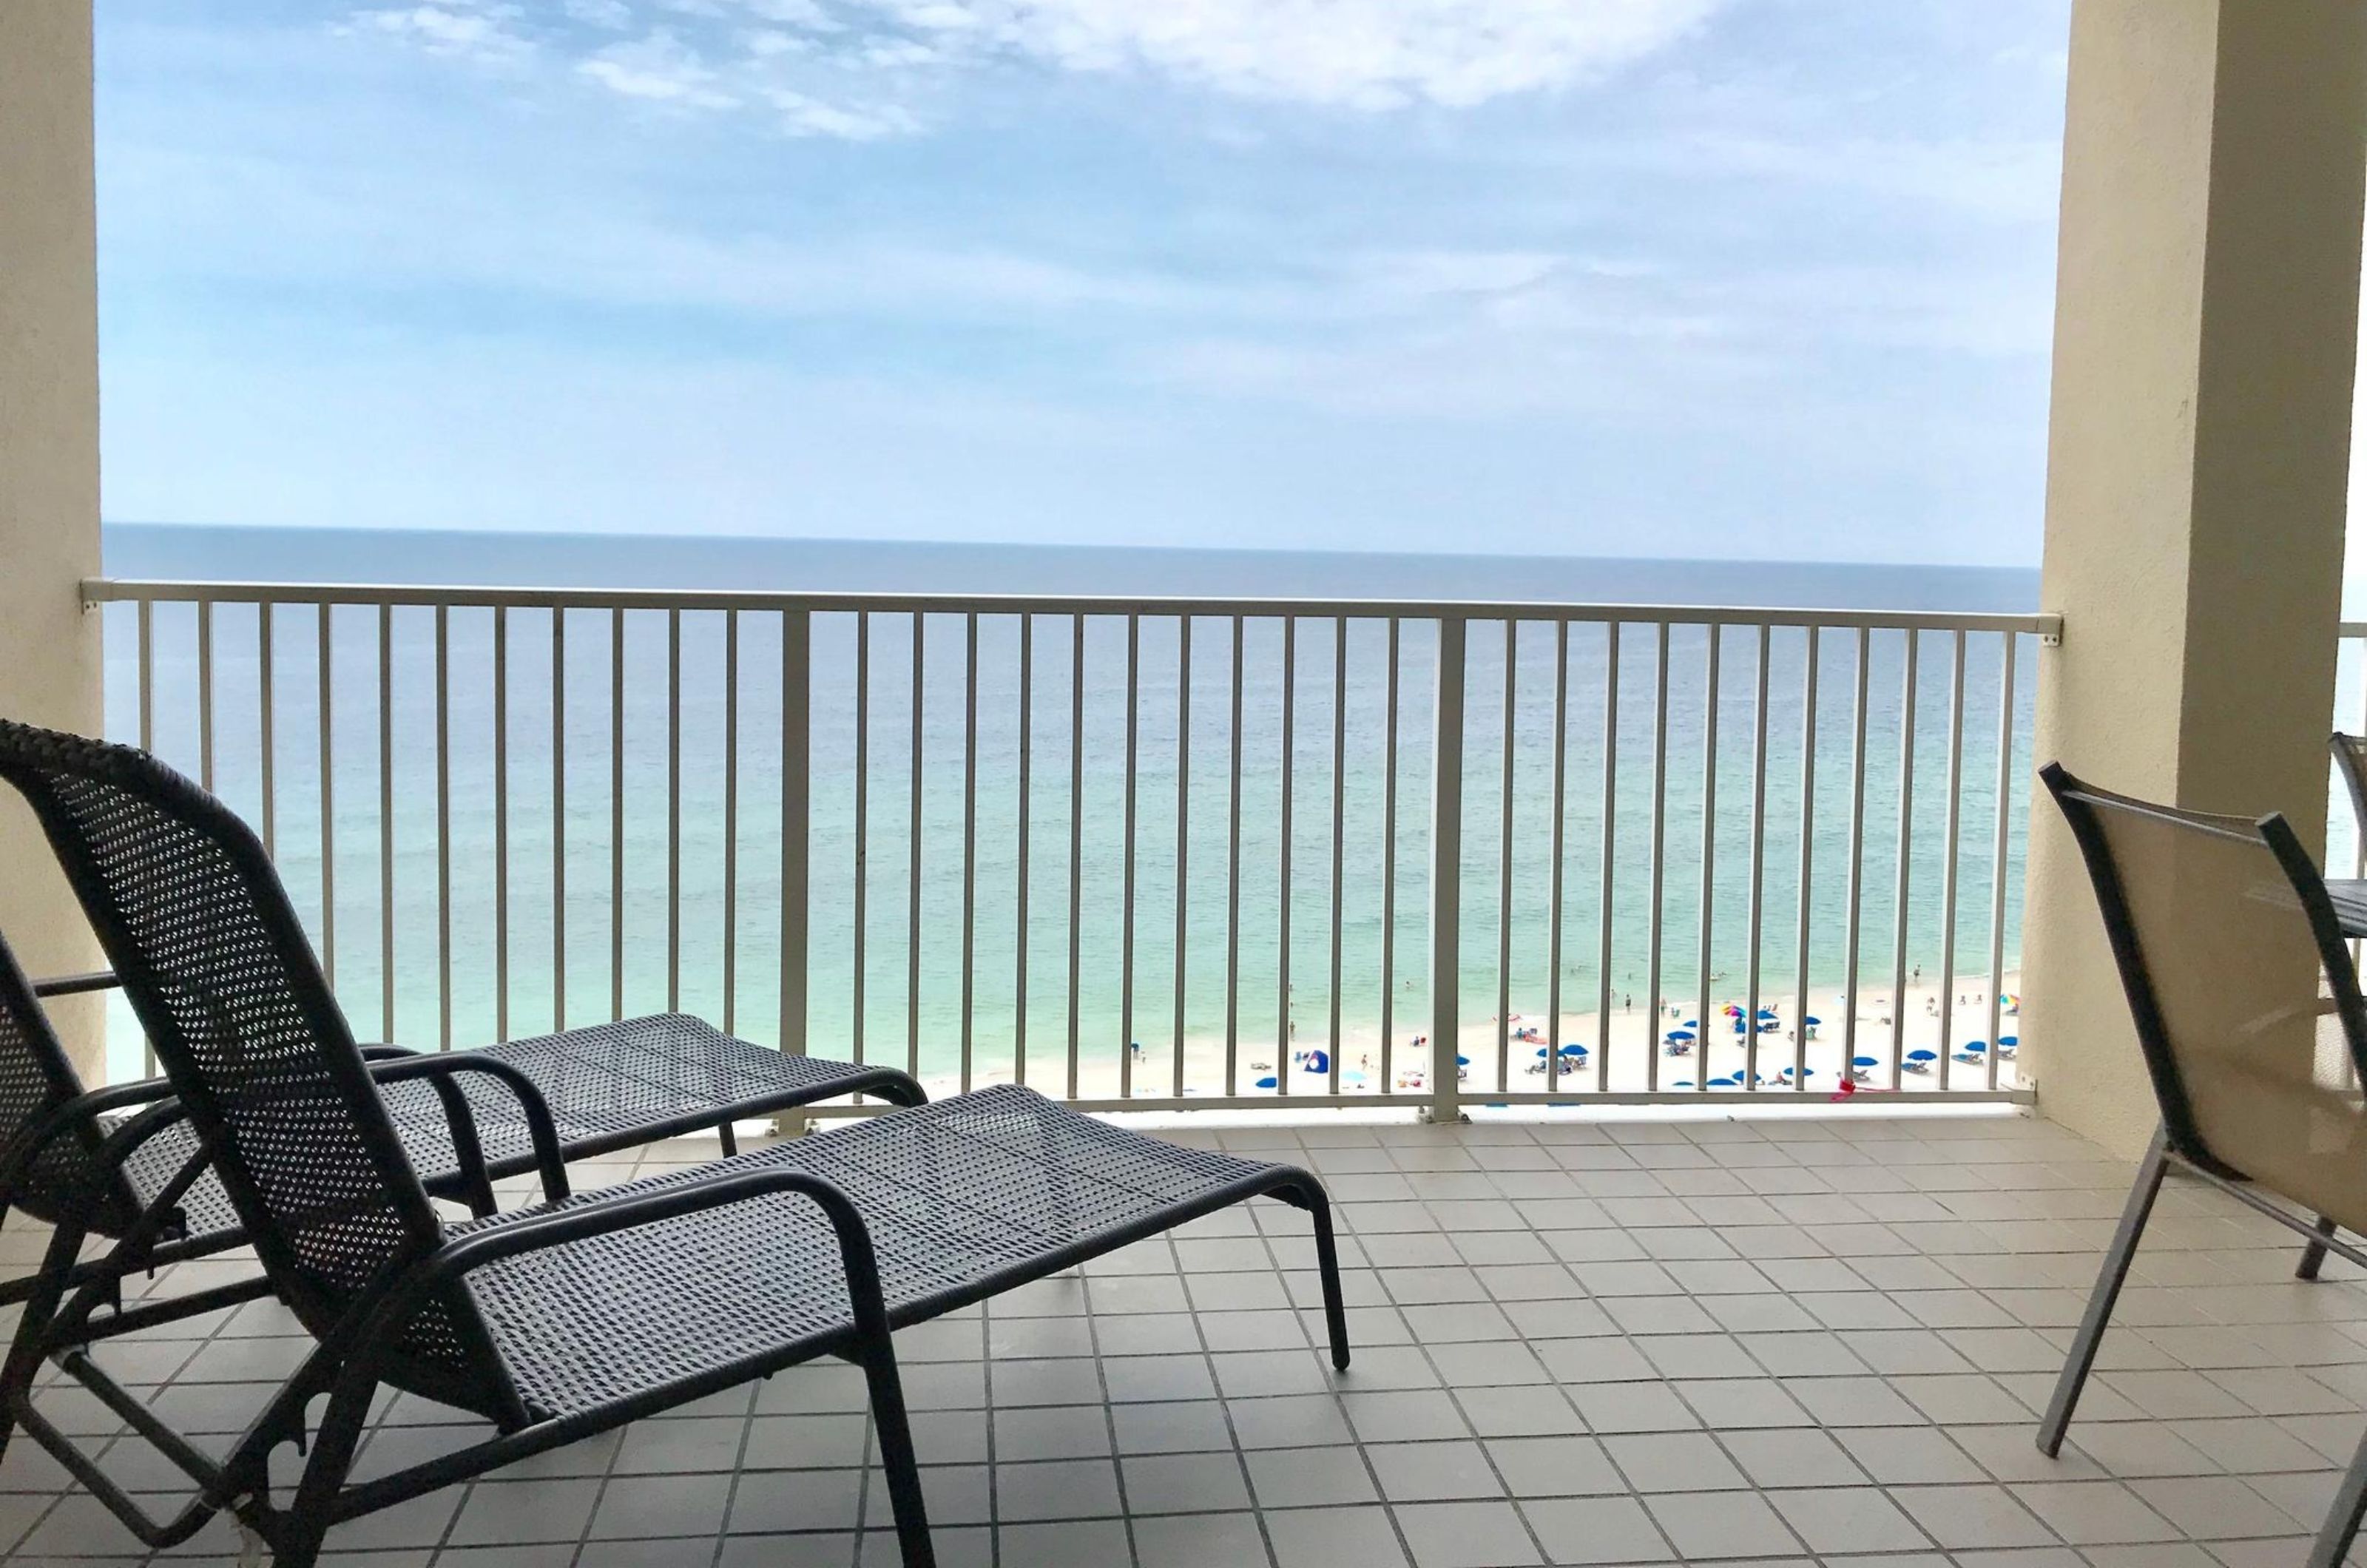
x=539, y=1125
x=86, y=1107
x=366, y=1329
x=75, y=985
x=388, y=1053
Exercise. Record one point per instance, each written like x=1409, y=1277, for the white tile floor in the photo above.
x=1576, y=1343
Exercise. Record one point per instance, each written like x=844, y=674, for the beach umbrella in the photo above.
x=1675, y=1034
x=1692, y=1024
x=1974, y=1047
x=1680, y=1083
x=1461, y=1061
x=1317, y=1062
x=1572, y=1049
x=1812, y=1022
x=2008, y=1039
x=1267, y=1083
x=1543, y=1053
x=1864, y=1062
x=1726, y=1083
x=1767, y=1012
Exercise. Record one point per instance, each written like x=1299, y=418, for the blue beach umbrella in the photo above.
x=1864, y=1062
x=1572, y=1049
x=1767, y=1012
x=1812, y=1021
x=1267, y=1083
x=1726, y=1083
x=2009, y=1040
x=1461, y=1061
x=1317, y=1062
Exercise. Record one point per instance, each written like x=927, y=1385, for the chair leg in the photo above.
x=2334, y=1537
x=32, y=1327
x=2313, y=1256
x=897, y=1456
x=1327, y=1263
x=301, y=1529
x=2115, y=1272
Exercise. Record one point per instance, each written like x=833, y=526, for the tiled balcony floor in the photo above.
x=1576, y=1343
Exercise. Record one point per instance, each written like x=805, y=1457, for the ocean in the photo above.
x=699, y=923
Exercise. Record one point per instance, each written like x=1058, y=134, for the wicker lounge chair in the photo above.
x=2258, y=1098
x=557, y=1320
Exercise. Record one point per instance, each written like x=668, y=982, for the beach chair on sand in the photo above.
x=2253, y=1081
x=557, y=1320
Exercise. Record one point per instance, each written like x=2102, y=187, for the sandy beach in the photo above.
x=1635, y=1048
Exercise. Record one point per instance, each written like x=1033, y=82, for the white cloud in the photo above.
x=662, y=69
x=1361, y=53
x=862, y=68
x=479, y=31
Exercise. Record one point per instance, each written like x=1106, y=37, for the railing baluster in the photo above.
x=1758, y=858
x=1703, y=1027
x=1948, y=859
x=322, y=666
x=617, y=815
x=1339, y=821
x=1076, y=831
x=1447, y=876
x=1389, y=1083
x=558, y=818
x=205, y=692
x=1807, y=858
x=912, y=857
x=1182, y=833
x=969, y=847
x=1904, y=867
x=501, y=822
x=386, y=822
x=1604, y=901
x=1997, y=853
x=1553, y=880
x=1026, y=820
x=673, y=810
x=1126, y=917
x=1855, y=901
x=730, y=820
x=147, y=622
x=1233, y=885
x=1286, y=1029
x=797, y=809
x=862, y=820
x=264, y=726
x=1659, y=842
x=1504, y=863
x=443, y=828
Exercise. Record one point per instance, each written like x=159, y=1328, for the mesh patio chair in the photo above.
x=557, y=1320
x=466, y=1122
x=2260, y=1098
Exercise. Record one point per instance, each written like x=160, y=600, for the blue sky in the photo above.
x=1762, y=279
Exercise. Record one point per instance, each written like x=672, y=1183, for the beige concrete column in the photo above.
x=48, y=450
x=2206, y=336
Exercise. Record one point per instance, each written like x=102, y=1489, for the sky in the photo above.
x=1741, y=278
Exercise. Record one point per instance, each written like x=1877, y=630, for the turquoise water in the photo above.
x=671, y=922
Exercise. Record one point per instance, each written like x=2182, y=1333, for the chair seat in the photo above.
x=964, y=1197
x=609, y=1086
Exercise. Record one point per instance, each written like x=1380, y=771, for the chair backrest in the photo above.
x=2350, y=756
x=2246, y=1002
x=215, y=962
x=35, y=1078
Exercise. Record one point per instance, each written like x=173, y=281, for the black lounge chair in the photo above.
x=604, y=1087
x=2258, y=1082
x=553, y=1321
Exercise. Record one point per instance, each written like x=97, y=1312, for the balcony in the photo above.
x=1818, y=1336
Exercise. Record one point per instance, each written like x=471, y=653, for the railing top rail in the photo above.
x=2354, y=628
x=100, y=589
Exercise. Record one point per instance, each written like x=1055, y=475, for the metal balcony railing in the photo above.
x=1140, y=853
